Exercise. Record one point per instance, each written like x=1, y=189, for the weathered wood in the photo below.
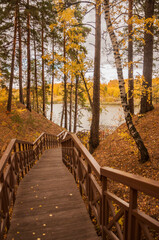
x=49, y=205
x=117, y=219
x=15, y=163
x=54, y=195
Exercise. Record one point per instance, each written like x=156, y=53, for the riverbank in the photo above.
x=23, y=125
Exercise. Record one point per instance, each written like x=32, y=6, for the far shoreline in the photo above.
x=102, y=103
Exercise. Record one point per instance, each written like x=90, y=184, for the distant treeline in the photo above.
x=109, y=92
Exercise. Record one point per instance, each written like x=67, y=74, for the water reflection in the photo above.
x=111, y=116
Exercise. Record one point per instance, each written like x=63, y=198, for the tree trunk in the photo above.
x=76, y=104
x=9, y=105
x=133, y=132
x=146, y=98
x=130, y=59
x=35, y=74
x=87, y=90
x=43, y=77
x=53, y=76
x=70, y=122
x=21, y=99
x=65, y=80
x=28, y=59
x=33, y=93
x=94, y=132
x=62, y=115
x=85, y=84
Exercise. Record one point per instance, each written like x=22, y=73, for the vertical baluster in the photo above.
x=5, y=200
x=41, y=145
x=37, y=145
x=46, y=141
x=73, y=160
x=33, y=155
x=22, y=159
x=30, y=157
x=89, y=189
x=80, y=175
x=125, y=233
x=137, y=231
x=17, y=161
x=12, y=173
x=27, y=157
x=70, y=155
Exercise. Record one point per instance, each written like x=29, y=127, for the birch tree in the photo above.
x=128, y=118
x=130, y=58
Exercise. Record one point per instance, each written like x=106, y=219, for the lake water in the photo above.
x=111, y=116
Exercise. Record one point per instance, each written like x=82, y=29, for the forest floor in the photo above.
x=119, y=151
x=23, y=125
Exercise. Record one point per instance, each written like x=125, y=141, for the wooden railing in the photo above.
x=16, y=161
x=117, y=218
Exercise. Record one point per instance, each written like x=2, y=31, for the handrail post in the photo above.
x=131, y=218
x=105, y=207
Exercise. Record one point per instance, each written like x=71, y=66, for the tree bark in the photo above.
x=53, y=76
x=94, y=132
x=65, y=79
x=28, y=59
x=43, y=77
x=146, y=98
x=76, y=104
x=133, y=132
x=87, y=90
x=130, y=59
x=33, y=94
x=21, y=99
x=85, y=84
x=62, y=114
x=9, y=105
x=35, y=74
x=70, y=122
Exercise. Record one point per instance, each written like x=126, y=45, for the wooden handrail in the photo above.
x=38, y=138
x=142, y=184
x=106, y=206
x=95, y=166
x=16, y=161
x=6, y=154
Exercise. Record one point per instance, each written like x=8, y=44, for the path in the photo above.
x=49, y=205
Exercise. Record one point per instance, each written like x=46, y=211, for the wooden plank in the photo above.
x=49, y=205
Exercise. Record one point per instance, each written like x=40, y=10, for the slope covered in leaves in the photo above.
x=119, y=150
x=23, y=125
